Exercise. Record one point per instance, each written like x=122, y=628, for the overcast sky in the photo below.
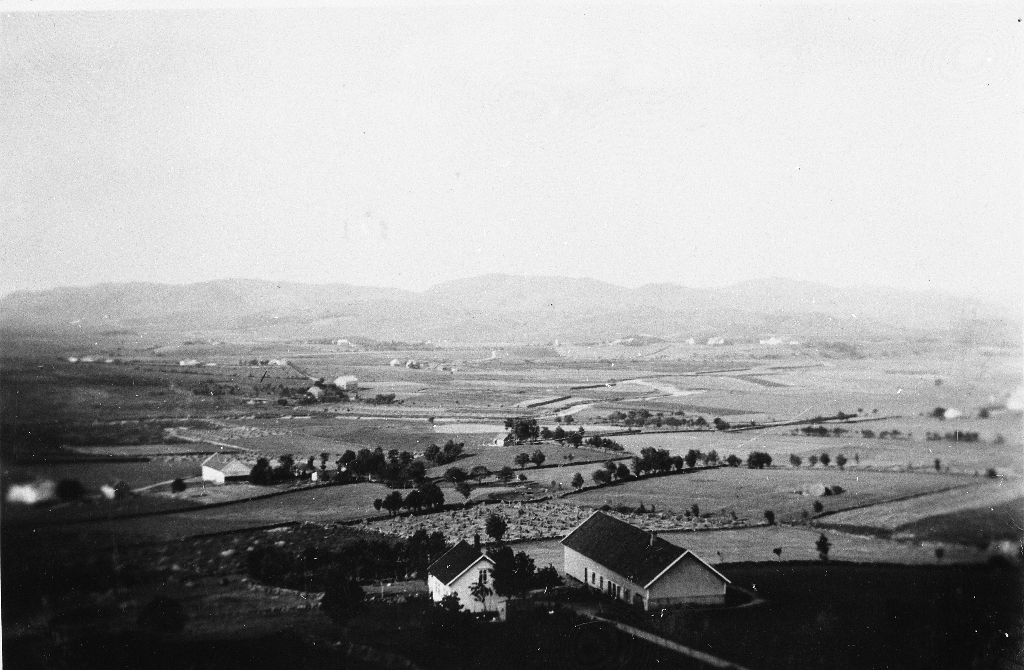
x=404, y=146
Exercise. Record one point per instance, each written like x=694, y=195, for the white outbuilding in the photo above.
x=347, y=383
x=221, y=468
x=458, y=571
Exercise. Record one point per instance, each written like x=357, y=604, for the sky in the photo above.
x=409, y=144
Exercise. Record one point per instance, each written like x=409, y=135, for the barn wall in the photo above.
x=211, y=475
x=689, y=580
x=575, y=563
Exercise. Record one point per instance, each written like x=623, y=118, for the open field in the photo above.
x=1003, y=522
x=748, y=493
x=980, y=493
x=497, y=457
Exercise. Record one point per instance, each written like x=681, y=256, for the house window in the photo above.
x=483, y=576
x=602, y=582
x=584, y=575
x=593, y=578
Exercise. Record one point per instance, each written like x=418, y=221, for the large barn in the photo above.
x=221, y=468
x=457, y=572
x=639, y=567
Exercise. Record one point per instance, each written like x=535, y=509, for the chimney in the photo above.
x=654, y=536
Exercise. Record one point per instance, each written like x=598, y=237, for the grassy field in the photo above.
x=495, y=458
x=980, y=493
x=749, y=493
x=979, y=525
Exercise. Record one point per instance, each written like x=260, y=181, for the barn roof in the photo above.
x=626, y=549
x=227, y=464
x=457, y=560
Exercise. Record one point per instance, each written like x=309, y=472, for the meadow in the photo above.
x=748, y=493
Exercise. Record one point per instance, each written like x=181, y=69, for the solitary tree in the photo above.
x=769, y=516
x=522, y=459
x=841, y=461
x=695, y=510
x=506, y=474
x=577, y=481
x=479, y=472
x=777, y=551
x=813, y=460
x=464, y=489
x=538, y=458
x=938, y=465
x=825, y=460
x=733, y=461
x=795, y=460
x=818, y=507
x=823, y=545
x=495, y=526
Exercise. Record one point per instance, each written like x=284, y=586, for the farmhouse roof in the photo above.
x=627, y=550
x=457, y=560
x=229, y=465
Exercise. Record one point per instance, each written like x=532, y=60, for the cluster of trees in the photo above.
x=757, y=460
x=955, y=436
x=563, y=436
x=650, y=461
x=598, y=442
x=824, y=459
x=604, y=475
x=522, y=429
x=537, y=458
x=721, y=424
x=643, y=417
x=264, y=473
x=515, y=573
x=309, y=567
x=446, y=454
x=397, y=469
x=427, y=496
x=895, y=434
x=381, y=399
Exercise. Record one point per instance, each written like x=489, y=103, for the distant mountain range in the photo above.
x=511, y=309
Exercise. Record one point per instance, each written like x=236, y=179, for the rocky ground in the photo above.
x=531, y=521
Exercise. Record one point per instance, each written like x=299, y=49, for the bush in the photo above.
x=178, y=485
x=343, y=597
x=769, y=516
x=818, y=507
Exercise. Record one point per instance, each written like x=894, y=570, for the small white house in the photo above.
x=32, y=493
x=221, y=468
x=462, y=567
x=631, y=564
x=316, y=393
x=347, y=383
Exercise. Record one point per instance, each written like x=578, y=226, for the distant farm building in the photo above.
x=222, y=468
x=189, y=362
x=315, y=393
x=347, y=383
x=457, y=572
x=952, y=413
x=117, y=491
x=636, y=566
x=32, y=493
x=773, y=341
x=72, y=359
x=716, y=341
x=395, y=363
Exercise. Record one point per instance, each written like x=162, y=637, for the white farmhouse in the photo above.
x=347, y=383
x=458, y=571
x=639, y=567
x=221, y=468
